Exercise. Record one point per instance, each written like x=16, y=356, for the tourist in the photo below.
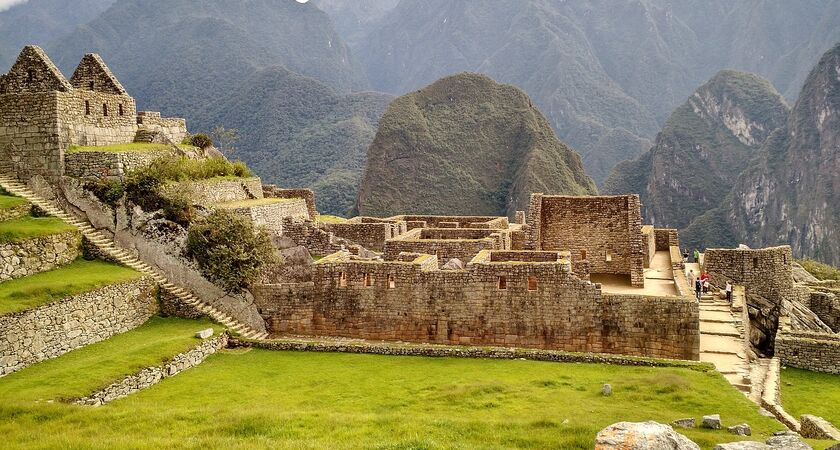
x=728, y=292
x=696, y=255
x=698, y=287
x=685, y=255
x=691, y=277
x=706, y=286
x=704, y=278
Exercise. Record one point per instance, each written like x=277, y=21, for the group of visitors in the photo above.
x=702, y=285
x=695, y=254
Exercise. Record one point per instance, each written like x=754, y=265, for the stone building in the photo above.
x=42, y=114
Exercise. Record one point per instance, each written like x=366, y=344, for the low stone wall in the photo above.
x=271, y=215
x=826, y=306
x=771, y=396
x=371, y=236
x=150, y=376
x=308, y=195
x=819, y=352
x=30, y=256
x=175, y=129
x=446, y=351
x=664, y=238
x=209, y=192
x=813, y=427
x=28, y=337
x=109, y=164
x=15, y=212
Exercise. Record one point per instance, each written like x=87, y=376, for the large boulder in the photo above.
x=790, y=441
x=642, y=436
x=743, y=445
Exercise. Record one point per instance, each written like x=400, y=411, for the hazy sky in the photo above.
x=6, y=4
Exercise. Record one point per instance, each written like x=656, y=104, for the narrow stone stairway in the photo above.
x=722, y=341
x=108, y=246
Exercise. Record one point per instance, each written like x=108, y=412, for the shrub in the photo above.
x=229, y=250
x=200, y=140
x=820, y=270
x=241, y=170
x=108, y=191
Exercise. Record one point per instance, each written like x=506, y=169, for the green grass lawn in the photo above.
x=10, y=201
x=30, y=227
x=266, y=399
x=74, y=278
x=806, y=392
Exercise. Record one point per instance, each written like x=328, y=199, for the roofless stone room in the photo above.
x=419, y=224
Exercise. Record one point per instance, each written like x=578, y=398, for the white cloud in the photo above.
x=6, y=4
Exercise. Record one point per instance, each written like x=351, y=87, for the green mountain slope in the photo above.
x=465, y=144
x=297, y=132
x=703, y=147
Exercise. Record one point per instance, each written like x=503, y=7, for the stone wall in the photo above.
x=31, y=142
x=51, y=330
x=446, y=243
x=605, y=231
x=768, y=281
x=826, y=305
x=109, y=164
x=508, y=303
x=15, y=212
x=648, y=244
x=819, y=352
x=371, y=236
x=30, y=256
x=210, y=192
x=91, y=118
x=486, y=222
x=150, y=376
x=271, y=215
x=175, y=129
x=270, y=190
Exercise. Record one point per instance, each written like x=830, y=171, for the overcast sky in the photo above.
x=6, y=4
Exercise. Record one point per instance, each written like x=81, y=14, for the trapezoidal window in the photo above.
x=583, y=254
x=532, y=283
x=502, y=283
x=392, y=282
x=755, y=263
x=90, y=86
x=30, y=75
x=120, y=107
x=87, y=108
x=609, y=256
x=342, y=279
x=368, y=280
x=105, y=109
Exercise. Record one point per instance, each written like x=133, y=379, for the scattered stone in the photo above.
x=642, y=436
x=204, y=334
x=711, y=421
x=814, y=427
x=743, y=445
x=453, y=264
x=684, y=423
x=742, y=429
x=606, y=390
x=788, y=442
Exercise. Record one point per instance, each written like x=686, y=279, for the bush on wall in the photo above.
x=229, y=250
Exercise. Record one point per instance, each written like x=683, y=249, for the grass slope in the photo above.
x=264, y=399
x=30, y=227
x=806, y=392
x=82, y=371
x=10, y=201
x=74, y=278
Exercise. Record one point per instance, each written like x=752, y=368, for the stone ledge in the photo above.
x=150, y=376
x=432, y=350
x=38, y=254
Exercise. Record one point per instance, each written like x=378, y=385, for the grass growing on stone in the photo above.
x=74, y=278
x=806, y=392
x=82, y=371
x=265, y=399
x=30, y=227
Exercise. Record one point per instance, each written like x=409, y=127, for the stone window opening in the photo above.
x=502, y=283
x=368, y=280
x=105, y=109
x=120, y=107
x=532, y=283
x=342, y=279
x=609, y=257
x=87, y=108
x=90, y=86
x=583, y=254
x=30, y=75
x=392, y=283
x=755, y=263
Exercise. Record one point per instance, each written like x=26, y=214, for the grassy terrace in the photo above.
x=82, y=371
x=29, y=227
x=805, y=392
x=10, y=201
x=265, y=399
x=252, y=202
x=120, y=148
x=326, y=218
x=74, y=278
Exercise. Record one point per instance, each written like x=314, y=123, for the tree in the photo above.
x=226, y=138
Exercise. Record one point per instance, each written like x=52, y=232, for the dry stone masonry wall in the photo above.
x=30, y=256
x=51, y=330
x=210, y=192
x=109, y=164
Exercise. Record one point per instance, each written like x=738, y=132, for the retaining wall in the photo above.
x=30, y=256
x=109, y=164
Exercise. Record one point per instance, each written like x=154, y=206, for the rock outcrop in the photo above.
x=466, y=144
x=642, y=436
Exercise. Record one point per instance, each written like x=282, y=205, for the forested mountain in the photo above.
x=606, y=73
x=42, y=22
x=465, y=144
x=703, y=147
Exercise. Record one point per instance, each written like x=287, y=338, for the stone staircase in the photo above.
x=109, y=247
x=722, y=342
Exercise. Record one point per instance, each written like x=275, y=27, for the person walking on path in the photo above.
x=728, y=292
x=691, y=277
x=698, y=287
x=685, y=255
x=704, y=278
x=696, y=256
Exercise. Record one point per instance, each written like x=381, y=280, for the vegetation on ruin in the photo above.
x=327, y=218
x=266, y=399
x=200, y=140
x=84, y=370
x=180, y=168
x=8, y=201
x=229, y=250
x=75, y=278
x=820, y=270
x=252, y=202
x=806, y=392
x=31, y=227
